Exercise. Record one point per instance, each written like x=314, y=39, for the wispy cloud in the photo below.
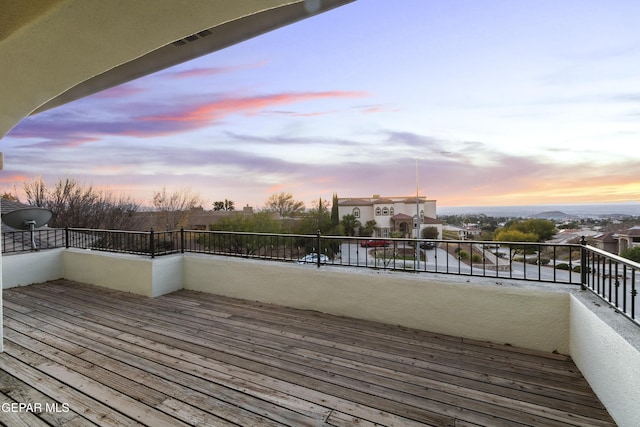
x=62, y=128
x=212, y=71
x=216, y=110
x=122, y=91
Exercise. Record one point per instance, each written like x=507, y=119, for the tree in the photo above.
x=335, y=215
x=314, y=219
x=284, y=205
x=10, y=196
x=429, y=233
x=350, y=223
x=368, y=228
x=542, y=228
x=36, y=192
x=77, y=205
x=226, y=205
x=513, y=235
x=260, y=222
x=173, y=208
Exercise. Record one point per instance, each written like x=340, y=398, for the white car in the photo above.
x=313, y=258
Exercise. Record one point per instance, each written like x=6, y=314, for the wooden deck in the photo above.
x=85, y=356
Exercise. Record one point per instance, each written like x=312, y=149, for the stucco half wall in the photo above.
x=606, y=349
x=530, y=318
x=139, y=275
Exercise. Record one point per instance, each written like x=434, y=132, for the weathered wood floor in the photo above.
x=85, y=356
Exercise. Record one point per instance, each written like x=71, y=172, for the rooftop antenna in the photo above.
x=28, y=219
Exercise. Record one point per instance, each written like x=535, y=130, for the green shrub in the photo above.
x=476, y=258
x=538, y=261
x=563, y=266
x=632, y=253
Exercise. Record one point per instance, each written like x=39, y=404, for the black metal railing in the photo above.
x=23, y=241
x=280, y=247
x=612, y=278
x=542, y=262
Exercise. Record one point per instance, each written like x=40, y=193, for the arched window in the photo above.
x=421, y=214
x=356, y=212
x=391, y=212
x=378, y=211
x=385, y=211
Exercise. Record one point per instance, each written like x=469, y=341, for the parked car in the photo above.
x=313, y=258
x=427, y=245
x=374, y=243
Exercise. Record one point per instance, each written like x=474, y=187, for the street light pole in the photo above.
x=417, y=225
x=418, y=221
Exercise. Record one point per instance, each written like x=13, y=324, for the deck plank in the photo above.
x=190, y=358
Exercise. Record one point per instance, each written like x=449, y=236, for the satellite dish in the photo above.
x=28, y=219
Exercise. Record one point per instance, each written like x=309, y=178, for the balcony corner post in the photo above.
x=66, y=237
x=583, y=263
x=182, y=239
x=152, y=243
x=318, y=246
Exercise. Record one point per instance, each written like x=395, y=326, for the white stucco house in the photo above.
x=392, y=213
x=628, y=239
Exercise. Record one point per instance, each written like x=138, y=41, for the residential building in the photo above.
x=459, y=232
x=196, y=219
x=605, y=241
x=628, y=239
x=392, y=214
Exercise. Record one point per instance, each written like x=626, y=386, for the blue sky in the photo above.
x=502, y=103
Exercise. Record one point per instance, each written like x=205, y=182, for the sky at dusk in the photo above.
x=501, y=102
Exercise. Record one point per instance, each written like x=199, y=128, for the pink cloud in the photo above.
x=213, y=71
x=60, y=128
x=121, y=91
x=315, y=114
x=13, y=179
x=376, y=109
x=250, y=105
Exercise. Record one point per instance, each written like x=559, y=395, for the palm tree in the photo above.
x=227, y=205
x=350, y=223
x=369, y=228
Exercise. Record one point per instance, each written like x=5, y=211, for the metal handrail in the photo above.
x=613, y=278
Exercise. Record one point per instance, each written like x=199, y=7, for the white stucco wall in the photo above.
x=521, y=317
x=608, y=358
x=167, y=272
x=137, y=274
x=32, y=267
x=121, y=272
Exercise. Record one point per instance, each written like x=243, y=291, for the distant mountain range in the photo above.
x=600, y=210
x=553, y=215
